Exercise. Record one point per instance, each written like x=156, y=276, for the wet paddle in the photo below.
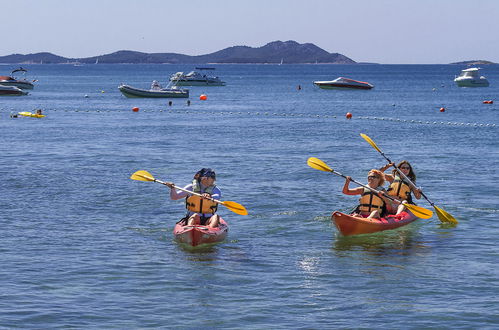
x=443, y=215
x=418, y=211
x=233, y=206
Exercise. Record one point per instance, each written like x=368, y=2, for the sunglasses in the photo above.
x=404, y=167
x=372, y=177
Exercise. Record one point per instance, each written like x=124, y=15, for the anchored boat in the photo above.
x=195, y=78
x=343, y=83
x=21, y=83
x=471, y=78
x=156, y=91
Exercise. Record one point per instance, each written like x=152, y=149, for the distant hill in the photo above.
x=289, y=52
x=474, y=62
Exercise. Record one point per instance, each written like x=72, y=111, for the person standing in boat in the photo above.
x=399, y=188
x=200, y=210
x=371, y=204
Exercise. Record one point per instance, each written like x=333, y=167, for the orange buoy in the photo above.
x=442, y=109
x=488, y=102
x=348, y=115
x=135, y=109
x=203, y=97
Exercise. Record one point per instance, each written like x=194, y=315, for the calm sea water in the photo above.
x=83, y=246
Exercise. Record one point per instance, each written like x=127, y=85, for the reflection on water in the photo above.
x=402, y=241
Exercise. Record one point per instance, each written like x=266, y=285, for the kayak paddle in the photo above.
x=418, y=211
x=233, y=206
x=442, y=214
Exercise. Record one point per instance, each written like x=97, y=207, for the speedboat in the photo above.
x=471, y=78
x=343, y=83
x=195, y=78
x=12, y=81
x=155, y=91
x=11, y=91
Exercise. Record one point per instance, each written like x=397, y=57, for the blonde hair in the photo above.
x=379, y=174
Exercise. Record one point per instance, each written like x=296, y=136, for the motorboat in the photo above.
x=195, y=78
x=19, y=83
x=471, y=78
x=156, y=91
x=343, y=83
x=11, y=91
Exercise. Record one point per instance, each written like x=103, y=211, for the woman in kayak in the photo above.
x=399, y=187
x=371, y=204
x=200, y=210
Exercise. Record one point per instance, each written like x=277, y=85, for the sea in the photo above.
x=84, y=247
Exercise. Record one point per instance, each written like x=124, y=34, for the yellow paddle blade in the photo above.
x=419, y=211
x=318, y=164
x=444, y=216
x=235, y=207
x=142, y=176
x=370, y=141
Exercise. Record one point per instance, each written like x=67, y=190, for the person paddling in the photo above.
x=371, y=204
x=200, y=210
x=400, y=188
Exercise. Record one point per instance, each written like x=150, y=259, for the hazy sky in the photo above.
x=383, y=31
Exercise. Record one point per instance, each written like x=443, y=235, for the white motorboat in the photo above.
x=11, y=91
x=343, y=83
x=471, y=78
x=155, y=91
x=195, y=78
x=12, y=81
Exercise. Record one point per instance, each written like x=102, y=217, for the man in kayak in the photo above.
x=200, y=210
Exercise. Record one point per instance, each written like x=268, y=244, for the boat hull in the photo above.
x=326, y=85
x=197, y=83
x=132, y=92
x=198, y=235
x=472, y=83
x=11, y=91
x=349, y=225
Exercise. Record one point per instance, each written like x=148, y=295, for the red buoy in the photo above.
x=442, y=109
x=488, y=102
x=348, y=115
x=203, y=97
x=135, y=109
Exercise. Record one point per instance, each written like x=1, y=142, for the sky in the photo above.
x=380, y=31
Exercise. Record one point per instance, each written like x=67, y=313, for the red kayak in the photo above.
x=355, y=225
x=196, y=235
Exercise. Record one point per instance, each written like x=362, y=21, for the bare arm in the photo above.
x=348, y=191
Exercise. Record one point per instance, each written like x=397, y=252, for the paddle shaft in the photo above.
x=405, y=176
x=188, y=191
x=367, y=187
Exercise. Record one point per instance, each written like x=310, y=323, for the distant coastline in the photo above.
x=276, y=52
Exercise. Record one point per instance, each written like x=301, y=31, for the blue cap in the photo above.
x=208, y=173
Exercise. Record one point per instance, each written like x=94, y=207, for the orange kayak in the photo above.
x=355, y=225
x=197, y=234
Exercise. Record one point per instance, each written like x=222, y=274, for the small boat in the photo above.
x=11, y=91
x=155, y=91
x=471, y=78
x=355, y=225
x=195, y=78
x=19, y=83
x=196, y=235
x=343, y=83
x=29, y=114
